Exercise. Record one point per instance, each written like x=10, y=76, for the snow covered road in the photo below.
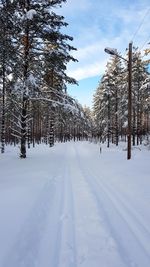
x=69, y=206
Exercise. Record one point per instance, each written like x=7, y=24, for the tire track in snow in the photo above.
x=121, y=217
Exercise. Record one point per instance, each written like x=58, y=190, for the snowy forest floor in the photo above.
x=70, y=206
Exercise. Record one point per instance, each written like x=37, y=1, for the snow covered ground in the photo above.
x=70, y=206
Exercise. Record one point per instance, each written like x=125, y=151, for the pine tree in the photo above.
x=41, y=49
x=6, y=59
x=111, y=100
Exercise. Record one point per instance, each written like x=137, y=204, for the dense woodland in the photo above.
x=111, y=101
x=34, y=53
x=34, y=104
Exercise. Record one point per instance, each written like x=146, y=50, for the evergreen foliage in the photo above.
x=110, y=100
x=34, y=54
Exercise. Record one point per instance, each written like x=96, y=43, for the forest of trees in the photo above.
x=110, y=103
x=34, y=104
x=34, y=53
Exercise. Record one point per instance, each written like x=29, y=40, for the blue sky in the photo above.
x=96, y=24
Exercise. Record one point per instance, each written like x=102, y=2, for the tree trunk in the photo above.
x=108, y=125
x=25, y=94
x=23, y=128
x=116, y=117
x=3, y=112
x=3, y=94
x=51, y=134
x=134, y=127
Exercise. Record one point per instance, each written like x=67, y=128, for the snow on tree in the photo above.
x=36, y=58
x=111, y=101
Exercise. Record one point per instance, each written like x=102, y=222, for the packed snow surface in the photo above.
x=72, y=206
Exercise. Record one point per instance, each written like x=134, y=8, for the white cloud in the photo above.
x=99, y=24
x=74, y=5
x=103, y=29
x=88, y=70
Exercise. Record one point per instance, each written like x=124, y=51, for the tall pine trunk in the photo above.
x=3, y=111
x=116, y=117
x=25, y=91
x=23, y=127
x=52, y=111
x=108, y=124
x=138, y=117
x=134, y=127
x=3, y=92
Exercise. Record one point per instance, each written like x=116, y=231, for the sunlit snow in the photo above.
x=72, y=206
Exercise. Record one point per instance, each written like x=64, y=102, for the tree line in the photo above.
x=110, y=101
x=34, y=104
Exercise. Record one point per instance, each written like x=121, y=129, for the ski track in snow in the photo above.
x=118, y=215
x=26, y=249
x=52, y=215
x=61, y=246
x=80, y=220
x=95, y=245
x=67, y=252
